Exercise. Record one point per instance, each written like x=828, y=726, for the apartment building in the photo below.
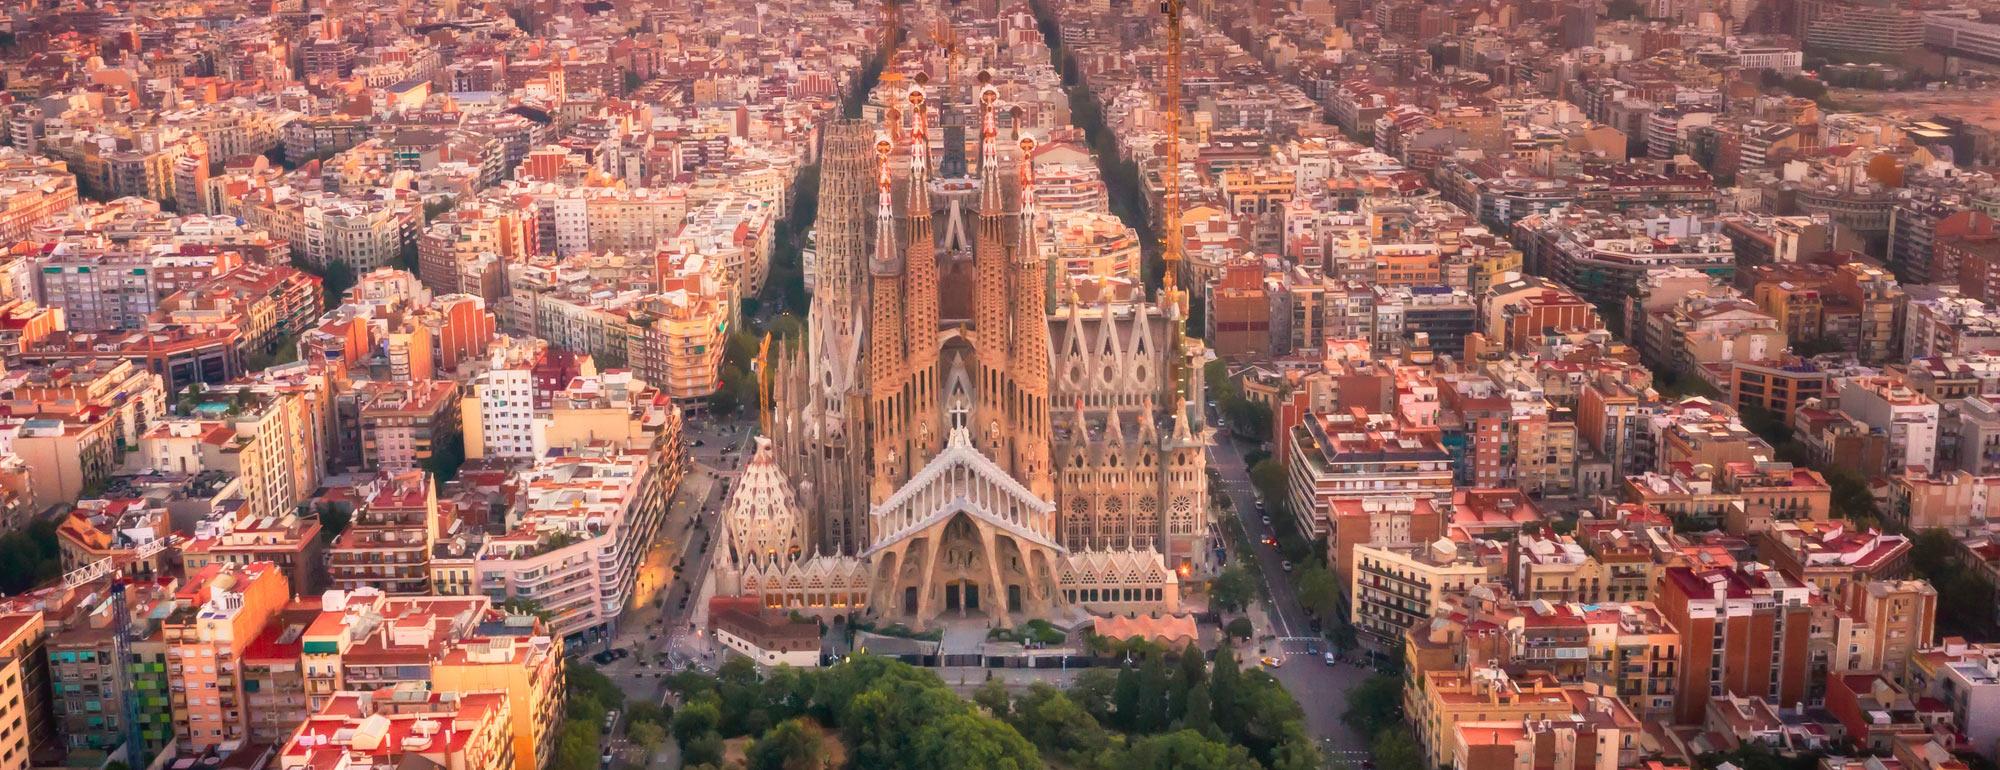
x=1908, y=418
x=239, y=536
x=518, y=657
x=25, y=729
x=388, y=541
x=1446, y=700
x=403, y=423
x=1744, y=631
x=576, y=536
x=405, y=726
x=264, y=439
x=93, y=670
x=1396, y=586
x=33, y=190
x=677, y=338
x=1379, y=521
x=220, y=612
x=1353, y=456
x=1832, y=554
x=101, y=529
x=499, y=410
x=1966, y=677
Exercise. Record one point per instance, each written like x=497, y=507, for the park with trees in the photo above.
x=1164, y=710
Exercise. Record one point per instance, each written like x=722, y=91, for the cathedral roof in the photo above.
x=960, y=480
x=763, y=514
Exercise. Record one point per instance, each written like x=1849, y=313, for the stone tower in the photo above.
x=1028, y=354
x=991, y=311
x=835, y=340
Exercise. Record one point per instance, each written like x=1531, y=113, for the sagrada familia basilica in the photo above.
x=948, y=441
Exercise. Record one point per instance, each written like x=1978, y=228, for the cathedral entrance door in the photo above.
x=1013, y=597
x=951, y=596
x=910, y=600
x=971, y=597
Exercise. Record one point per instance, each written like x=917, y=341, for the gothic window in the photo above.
x=1149, y=505
x=1079, y=505
x=1181, y=515
x=1114, y=505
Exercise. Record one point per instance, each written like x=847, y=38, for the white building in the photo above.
x=1909, y=418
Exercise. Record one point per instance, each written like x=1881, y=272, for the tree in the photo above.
x=1186, y=750
x=730, y=396
x=1247, y=418
x=1200, y=713
x=1056, y=724
x=1125, y=704
x=1215, y=375
x=695, y=719
x=789, y=329
x=1850, y=496
x=1225, y=685
x=1240, y=628
x=632, y=82
x=29, y=557
x=1394, y=749
x=1807, y=88
x=1374, y=705
x=1191, y=677
x=576, y=749
x=971, y=741
x=647, y=734
x=1319, y=593
x=447, y=456
x=1270, y=479
x=587, y=682
x=333, y=520
x=646, y=711
x=1342, y=634
x=992, y=696
x=741, y=349
x=1152, y=715
x=1232, y=589
x=1934, y=557
x=792, y=745
x=706, y=748
x=439, y=207
x=1094, y=691
x=335, y=279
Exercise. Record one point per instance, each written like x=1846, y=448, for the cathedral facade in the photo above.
x=949, y=439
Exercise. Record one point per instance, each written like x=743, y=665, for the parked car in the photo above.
x=1330, y=659
x=1273, y=662
x=1285, y=565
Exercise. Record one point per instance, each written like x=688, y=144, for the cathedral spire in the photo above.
x=991, y=202
x=887, y=370
x=920, y=149
x=1028, y=358
x=920, y=290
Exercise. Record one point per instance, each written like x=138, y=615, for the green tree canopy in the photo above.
x=1186, y=750
x=1374, y=705
x=792, y=745
x=1232, y=590
x=1319, y=593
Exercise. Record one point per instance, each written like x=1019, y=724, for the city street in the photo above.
x=1320, y=689
x=654, y=629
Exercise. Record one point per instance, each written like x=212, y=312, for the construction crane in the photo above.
x=1170, y=174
